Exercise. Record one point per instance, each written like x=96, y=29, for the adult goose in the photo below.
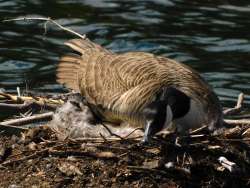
x=139, y=88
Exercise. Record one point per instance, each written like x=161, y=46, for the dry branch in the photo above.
x=102, y=155
x=38, y=153
x=237, y=121
x=145, y=169
x=9, y=130
x=30, y=119
x=195, y=131
x=237, y=108
x=26, y=106
x=39, y=100
x=45, y=25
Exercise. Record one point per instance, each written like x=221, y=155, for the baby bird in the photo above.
x=139, y=88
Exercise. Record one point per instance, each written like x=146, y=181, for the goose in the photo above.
x=139, y=88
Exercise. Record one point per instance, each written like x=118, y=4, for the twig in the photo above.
x=18, y=91
x=177, y=141
x=32, y=156
x=103, y=137
x=97, y=145
x=110, y=132
x=26, y=106
x=246, y=133
x=45, y=26
x=237, y=108
x=100, y=140
x=196, y=136
x=205, y=142
x=108, y=147
x=9, y=130
x=198, y=129
x=234, y=139
x=96, y=139
x=234, y=132
x=132, y=132
x=31, y=119
x=38, y=100
x=38, y=153
x=103, y=155
x=237, y=121
x=242, y=116
x=145, y=169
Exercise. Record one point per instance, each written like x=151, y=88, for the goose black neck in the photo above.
x=178, y=102
x=156, y=112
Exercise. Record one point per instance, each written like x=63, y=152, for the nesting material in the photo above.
x=75, y=120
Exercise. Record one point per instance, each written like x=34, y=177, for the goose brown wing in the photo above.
x=112, y=81
x=139, y=74
x=117, y=82
x=91, y=72
x=144, y=74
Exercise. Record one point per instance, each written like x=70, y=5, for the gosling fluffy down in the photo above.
x=75, y=120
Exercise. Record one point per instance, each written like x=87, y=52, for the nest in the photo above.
x=36, y=157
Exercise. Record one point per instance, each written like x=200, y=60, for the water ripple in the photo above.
x=210, y=36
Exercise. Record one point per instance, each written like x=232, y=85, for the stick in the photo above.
x=9, y=130
x=110, y=132
x=237, y=108
x=31, y=119
x=39, y=100
x=198, y=129
x=27, y=105
x=100, y=140
x=237, y=121
x=38, y=153
x=103, y=154
x=133, y=132
x=234, y=139
x=145, y=169
x=242, y=116
x=45, y=25
x=32, y=156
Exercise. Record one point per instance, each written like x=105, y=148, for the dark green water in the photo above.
x=210, y=36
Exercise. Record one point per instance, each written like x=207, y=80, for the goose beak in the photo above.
x=147, y=132
x=154, y=126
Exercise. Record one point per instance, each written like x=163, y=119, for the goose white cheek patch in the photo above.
x=193, y=119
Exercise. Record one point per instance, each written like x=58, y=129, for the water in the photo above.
x=211, y=36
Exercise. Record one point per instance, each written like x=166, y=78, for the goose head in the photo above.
x=186, y=112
